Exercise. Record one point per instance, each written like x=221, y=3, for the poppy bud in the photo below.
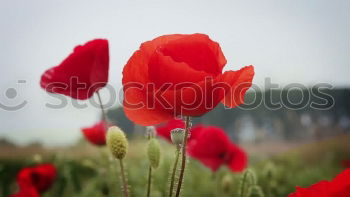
x=269, y=171
x=37, y=158
x=153, y=153
x=177, y=136
x=88, y=163
x=255, y=191
x=117, y=142
x=226, y=183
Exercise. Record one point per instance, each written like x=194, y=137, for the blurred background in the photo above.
x=300, y=50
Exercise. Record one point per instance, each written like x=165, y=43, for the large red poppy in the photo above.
x=180, y=75
x=82, y=73
x=338, y=187
x=34, y=180
x=213, y=148
x=96, y=134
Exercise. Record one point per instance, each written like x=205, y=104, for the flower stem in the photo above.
x=149, y=181
x=104, y=115
x=124, y=180
x=183, y=161
x=172, y=180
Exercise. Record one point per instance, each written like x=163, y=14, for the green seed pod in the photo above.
x=255, y=191
x=37, y=158
x=177, y=136
x=117, y=142
x=269, y=171
x=153, y=153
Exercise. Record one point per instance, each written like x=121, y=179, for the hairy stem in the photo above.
x=104, y=115
x=124, y=180
x=183, y=161
x=172, y=180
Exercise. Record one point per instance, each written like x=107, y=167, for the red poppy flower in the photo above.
x=96, y=134
x=338, y=187
x=213, y=148
x=82, y=73
x=34, y=180
x=180, y=75
x=165, y=130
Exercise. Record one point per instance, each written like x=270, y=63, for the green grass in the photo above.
x=97, y=174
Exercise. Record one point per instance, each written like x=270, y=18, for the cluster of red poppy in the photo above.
x=169, y=76
x=338, y=187
x=34, y=180
x=208, y=144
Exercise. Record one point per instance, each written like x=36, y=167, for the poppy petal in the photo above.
x=240, y=81
x=338, y=187
x=198, y=51
x=319, y=189
x=164, y=70
x=136, y=69
x=149, y=47
x=136, y=108
x=41, y=177
x=96, y=134
x=208, y=146
x=82, y=73
x=238, y=159
x=341, y=185
x=194, y=99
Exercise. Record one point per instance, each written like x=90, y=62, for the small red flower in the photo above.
x=180, y=74
x=96, y=134
x=34, y=180
x=338, y=187
x=165, y=130
x=82, y=73
x=213, y=148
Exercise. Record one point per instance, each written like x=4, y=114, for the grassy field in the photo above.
x=86, y=170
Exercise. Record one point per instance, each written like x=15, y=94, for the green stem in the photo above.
x=149, y=181
x=183, y=161
x=172, y=180
x=149, y=137
x=243, y=184
x=104, y=115
x=124, y=180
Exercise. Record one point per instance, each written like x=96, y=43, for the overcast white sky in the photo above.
x=304, y=41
